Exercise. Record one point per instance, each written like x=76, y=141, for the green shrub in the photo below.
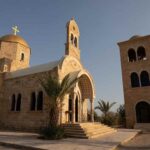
x=52, y=133
x=121, y=116
x=109, y=119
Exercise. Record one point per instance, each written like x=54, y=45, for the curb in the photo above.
x=17, y=146
x=125, y=141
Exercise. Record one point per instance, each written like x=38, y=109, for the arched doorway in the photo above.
x=76, y=109
x=143, y=112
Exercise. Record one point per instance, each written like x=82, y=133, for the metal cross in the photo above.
x=15, y=30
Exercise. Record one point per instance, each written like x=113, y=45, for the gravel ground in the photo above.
x=140, y=142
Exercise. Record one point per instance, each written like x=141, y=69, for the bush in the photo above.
x=52, y=133
x=121, y=116
x=109, y=119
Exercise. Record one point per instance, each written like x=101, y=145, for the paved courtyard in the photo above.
x=30, y=141
x=140, y=142
x=7, y=148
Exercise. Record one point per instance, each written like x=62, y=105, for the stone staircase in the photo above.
x=142, y=126
x=86, y=130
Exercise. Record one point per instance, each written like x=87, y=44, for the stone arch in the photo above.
x=142, y=112
x=131, y=55
x=134, y=80
x=85, y=84
x=141, y=53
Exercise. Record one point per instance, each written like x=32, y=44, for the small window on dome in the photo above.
x=22, y=57
x=74, y=28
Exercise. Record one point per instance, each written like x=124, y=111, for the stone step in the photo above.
x=142, y=126
x=98, y=135
x=86, y=130
x=98, y=131
x=77, y=136
x=75, y=133
x=100, y=127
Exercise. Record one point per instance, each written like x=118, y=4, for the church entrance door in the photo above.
x=143, y=112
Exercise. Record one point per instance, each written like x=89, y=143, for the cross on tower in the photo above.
x=15, y=30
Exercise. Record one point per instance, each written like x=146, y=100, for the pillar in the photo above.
x=92, y=111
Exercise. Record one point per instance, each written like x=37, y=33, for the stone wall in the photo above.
x=25, y=119
x=134, y=95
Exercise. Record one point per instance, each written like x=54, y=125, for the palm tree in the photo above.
x=56, y=91
x=104, y=107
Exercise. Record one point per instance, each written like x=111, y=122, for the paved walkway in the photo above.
x=30, y=141
x=140, y=142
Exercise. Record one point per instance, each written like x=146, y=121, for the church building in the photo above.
x=135, y=62
x=23, y=101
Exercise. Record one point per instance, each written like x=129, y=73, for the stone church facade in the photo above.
x=135, y=62
x=23, y=102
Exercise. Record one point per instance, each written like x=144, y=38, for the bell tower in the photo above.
x=72, y=43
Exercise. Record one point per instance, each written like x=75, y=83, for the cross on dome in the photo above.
x=15, y=30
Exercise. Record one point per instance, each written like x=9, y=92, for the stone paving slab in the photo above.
x=140, y=142
x=29, y=141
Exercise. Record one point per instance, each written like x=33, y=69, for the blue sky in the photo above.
x=102, y=24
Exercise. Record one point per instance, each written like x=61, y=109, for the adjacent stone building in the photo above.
x=135, y=62
x=23, y=102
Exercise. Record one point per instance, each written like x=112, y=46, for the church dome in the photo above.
x=14, y=38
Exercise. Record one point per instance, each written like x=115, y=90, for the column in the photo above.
x=73, y=108
x=92, y=111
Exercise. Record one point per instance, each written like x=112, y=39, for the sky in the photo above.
x=102, y=23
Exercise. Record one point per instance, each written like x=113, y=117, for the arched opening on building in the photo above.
x=33, y=101
x=18, y=105
x=141, y=54
x=40, y=101
x=13, y=102
x=87, y=92
x=76, y=109
x=143, y=112
x=131, y=55
x=70, y=109
x=144, y=78
x=134, y=80
x=22, y=56
x=75, y=42
x=83, y=92
x=72, y=38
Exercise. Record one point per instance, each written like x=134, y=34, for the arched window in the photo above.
x=141, y=53
x=18, y=105
x=144, y=78
x=40, y=101
x=75, y=42
x=131, y=55
x=22, y=56
x=33, y=101
x=13, y=102
x=135, y=80
x=72, y=38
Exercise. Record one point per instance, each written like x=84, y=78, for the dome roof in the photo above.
x=134, y=37
x=14, y=38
